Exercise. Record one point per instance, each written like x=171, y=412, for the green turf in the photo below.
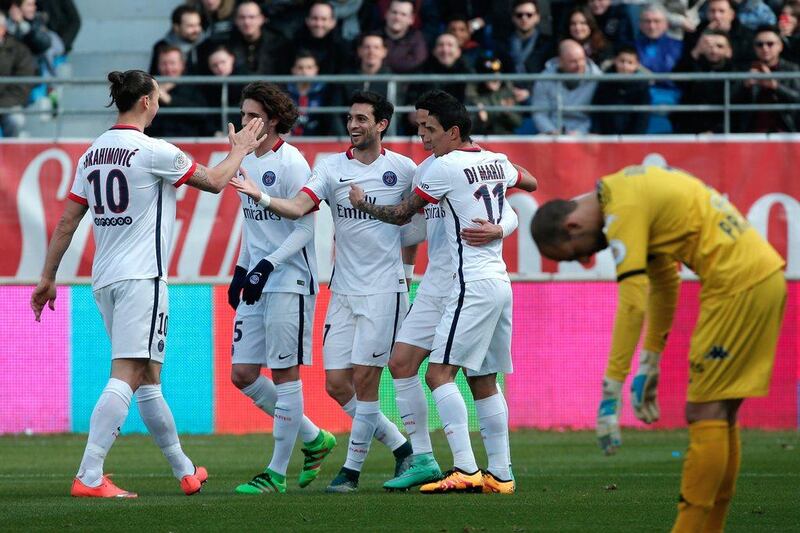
x=564, y=484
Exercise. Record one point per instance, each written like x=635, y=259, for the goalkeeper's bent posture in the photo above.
x=652, y=218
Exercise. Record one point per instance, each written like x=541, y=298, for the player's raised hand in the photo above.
x=44, y=293
x=247, y=138
x=609, y=436
x=245, y=185
x=644, y=388
x=357, y=195
x=484, y=233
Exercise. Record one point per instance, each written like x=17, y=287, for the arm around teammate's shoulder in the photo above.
x=244, y=141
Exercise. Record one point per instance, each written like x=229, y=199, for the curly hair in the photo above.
x=275, y=102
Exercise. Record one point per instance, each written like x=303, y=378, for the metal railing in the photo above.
x=395, y=82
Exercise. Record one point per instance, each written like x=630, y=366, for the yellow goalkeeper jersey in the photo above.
x=652, y=211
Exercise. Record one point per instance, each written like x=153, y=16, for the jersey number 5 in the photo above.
x=116, y=205
x=498, y=192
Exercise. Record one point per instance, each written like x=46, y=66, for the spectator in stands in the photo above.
x=63, y=18
x=309, y=95
x=346, y=12
x=658, y=52
x=259, y=49
x=471, y=50
x=320, y=37
x=185, y=34
x=15, y=60
x=216, y=17
x=406, y=46
x=613, y=21
x=372, y=53
x=722, y=16
x=527, y=49
x=680, y=19
x=28, y=26
x=172, y=64
x=790, y=30
x=754, y=13
x=222, y=63
x=713, y=53
x=445, y=59
x=285, y=16
x=768, y=47
x=493, y=93
x=582, y=28
x=571, y=59
x=626, y=61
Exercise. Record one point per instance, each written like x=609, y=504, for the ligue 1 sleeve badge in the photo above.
x=389, y=178
x=268, y=178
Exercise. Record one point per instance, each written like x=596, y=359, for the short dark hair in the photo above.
x=717, y=33
x=432, y=98
x=222, y=47
x=451, y=113
x=729, y=2
x=627, y=49
x=363, y=36
x=275, y=102
x=321, y=3
x=518, y=3
x=304, y=53
x=167, y=48
x=382, y=108
x=547, y=226
x=127, y=87
x=768, y=28
x=180, y=11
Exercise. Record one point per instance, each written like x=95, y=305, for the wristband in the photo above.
x=409, y=271
x=265, y=200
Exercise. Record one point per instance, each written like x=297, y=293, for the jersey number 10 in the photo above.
x=498, y=192
x=116, y=205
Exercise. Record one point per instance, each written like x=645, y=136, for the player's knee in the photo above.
x=402, y=367
x=242, y=378
x=339, y=392
x=482, y=387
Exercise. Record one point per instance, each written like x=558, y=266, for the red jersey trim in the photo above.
x=425, y=196
x=125, y=127
x=473, y=149
x=79, y=199
x=349, y=153
x=519, y=178
x=186, y=176
x=311, y=194
x=278, y=144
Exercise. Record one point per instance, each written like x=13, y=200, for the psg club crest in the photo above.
x=161, y=345
x=269, y=178
x=389, y=178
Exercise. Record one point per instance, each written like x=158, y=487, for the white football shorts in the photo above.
x=136, y=314
x=419, y=326
x=361, y=330
x=475, y=330
x=274, y=332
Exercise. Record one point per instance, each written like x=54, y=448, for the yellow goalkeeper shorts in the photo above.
x=733, y=344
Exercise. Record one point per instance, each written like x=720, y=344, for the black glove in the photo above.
x=256, y=279
x=235, y=288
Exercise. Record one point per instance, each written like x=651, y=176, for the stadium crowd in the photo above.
x=302, y=37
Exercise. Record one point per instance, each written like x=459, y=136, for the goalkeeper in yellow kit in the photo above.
x=652, y=218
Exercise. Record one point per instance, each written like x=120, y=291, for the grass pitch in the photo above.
x=564, y=484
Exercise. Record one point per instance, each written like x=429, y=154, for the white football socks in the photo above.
x=413, y=407
x=158, y=418
x=508, y=422
x=364, y=423
x=453, y=413
x=494, y=430
x=265, y=395
x=385, y=431
x=288, y=416
x=108, y=415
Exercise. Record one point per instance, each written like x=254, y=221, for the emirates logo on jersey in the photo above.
x=389, y=178
x=268, y=178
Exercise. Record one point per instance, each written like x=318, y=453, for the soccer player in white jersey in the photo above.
x=276, y=276
x=368, y=283
x=415, y=339
x=128, y=181
x=475, y=330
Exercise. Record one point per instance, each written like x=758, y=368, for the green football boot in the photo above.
x=423, y=469
x=265, y=482
x=315, y=452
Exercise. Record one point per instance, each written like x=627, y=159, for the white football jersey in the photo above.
x=281, y=172
x=367, y=251
x=438, y=277
x=128, y=181
x=471, y=183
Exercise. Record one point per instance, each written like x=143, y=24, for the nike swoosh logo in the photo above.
x=378, y=354
x=342, y=180
x=357, y=443
x=282, y=357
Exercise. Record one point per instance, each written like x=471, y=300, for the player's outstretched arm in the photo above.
x=526, y=180
x=242, y=142
x=45, y=291
x=292, y=209
x=398, y=214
